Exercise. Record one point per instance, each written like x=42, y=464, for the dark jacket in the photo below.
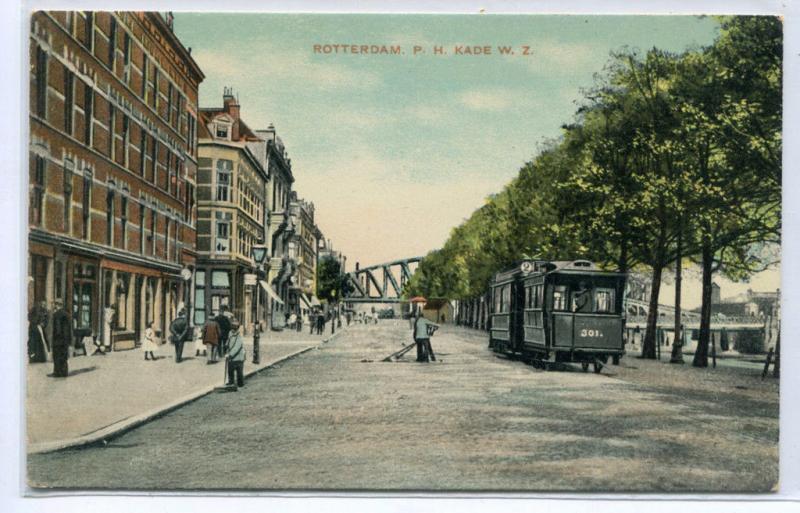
x=224, y=326
x=179, y=329
x=211, y=332
x=62, y=330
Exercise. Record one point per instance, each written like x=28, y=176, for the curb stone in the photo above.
x=103, y=435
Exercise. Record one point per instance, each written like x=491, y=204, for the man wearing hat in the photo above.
x=179, y=333
x=236, y=355
x=62, y=338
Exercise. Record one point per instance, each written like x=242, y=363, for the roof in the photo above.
x=207, y=116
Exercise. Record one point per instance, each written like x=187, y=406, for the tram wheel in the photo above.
x=585, y=366
x=615, y=359
x=598, y=367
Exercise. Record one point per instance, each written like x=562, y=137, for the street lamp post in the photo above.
x=258, y=252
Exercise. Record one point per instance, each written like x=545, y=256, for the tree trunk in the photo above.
x=701, y=353
x=649, y=343
x=677, y=340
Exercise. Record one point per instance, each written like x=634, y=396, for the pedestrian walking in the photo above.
x=62, y=338
x=312, y=322
x=224, y=322
x=320, y=323
x=179, y=334
x=211, y=336
x=292, y=323
x=236, y=355
x=150, y=342
x=422, y=331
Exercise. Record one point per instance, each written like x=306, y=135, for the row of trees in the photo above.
x=671, y=158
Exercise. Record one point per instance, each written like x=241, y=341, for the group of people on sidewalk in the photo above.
x=219, y=336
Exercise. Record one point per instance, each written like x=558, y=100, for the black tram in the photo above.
x=558, y=312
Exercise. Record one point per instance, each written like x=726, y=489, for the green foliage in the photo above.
x=331, y=282
x=664, y=147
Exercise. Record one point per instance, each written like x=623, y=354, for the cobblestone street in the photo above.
x=340, y=418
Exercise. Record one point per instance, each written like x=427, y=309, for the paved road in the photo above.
x=339, y=418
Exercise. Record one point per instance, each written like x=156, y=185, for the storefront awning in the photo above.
x=271, y=293
x=315, y=301
x=304, y=300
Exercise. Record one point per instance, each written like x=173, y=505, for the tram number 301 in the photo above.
x=591, y=333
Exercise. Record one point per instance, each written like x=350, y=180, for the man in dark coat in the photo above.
x=179, y=333
x=37, y=340
x=224, y=329
x=62, y=338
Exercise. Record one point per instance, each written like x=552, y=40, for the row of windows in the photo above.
x=174, y=112
x=565, y=298
x=119, y=129
x=172, y=227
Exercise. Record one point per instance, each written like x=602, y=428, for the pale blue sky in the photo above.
x=396, y=150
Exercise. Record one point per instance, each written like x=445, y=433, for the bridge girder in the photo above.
x=379, y=283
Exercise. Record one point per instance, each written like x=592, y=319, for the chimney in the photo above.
x=230, y=104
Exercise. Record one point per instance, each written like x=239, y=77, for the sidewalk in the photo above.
x=105, y=395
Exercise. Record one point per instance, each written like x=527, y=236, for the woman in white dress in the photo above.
x=149, y=344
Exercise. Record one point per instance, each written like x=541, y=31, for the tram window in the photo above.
x=536, y=296
x=497, y=299
x=506, y=301
x=560, y=297
x=604, y=301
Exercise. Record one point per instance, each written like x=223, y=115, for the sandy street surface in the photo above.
x=339, y=418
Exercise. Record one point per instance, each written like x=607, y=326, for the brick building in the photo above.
x=113, y=148
x=232, y=212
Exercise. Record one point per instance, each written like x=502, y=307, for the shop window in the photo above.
x=122, y=291
x=220, y=279
x=82, y=293
x=199, y=298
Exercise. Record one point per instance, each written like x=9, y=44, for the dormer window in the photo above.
x=223, y=130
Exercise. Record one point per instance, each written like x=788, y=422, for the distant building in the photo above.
x=113, y=142
x=304, y=252
x=327, y=251
x=271, y=152
x=232, y=212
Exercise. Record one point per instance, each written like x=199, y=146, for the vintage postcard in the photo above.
x=405, y=253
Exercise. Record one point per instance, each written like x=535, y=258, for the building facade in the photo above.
x=280, y=226
x=303, y=248
x=112, y=170
x=232, y=211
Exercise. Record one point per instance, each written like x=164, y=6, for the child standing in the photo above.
x=149, y=345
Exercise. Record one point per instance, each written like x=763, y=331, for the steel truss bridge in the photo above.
x=381, y=283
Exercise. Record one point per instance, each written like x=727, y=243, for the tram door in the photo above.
x=516, y=323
